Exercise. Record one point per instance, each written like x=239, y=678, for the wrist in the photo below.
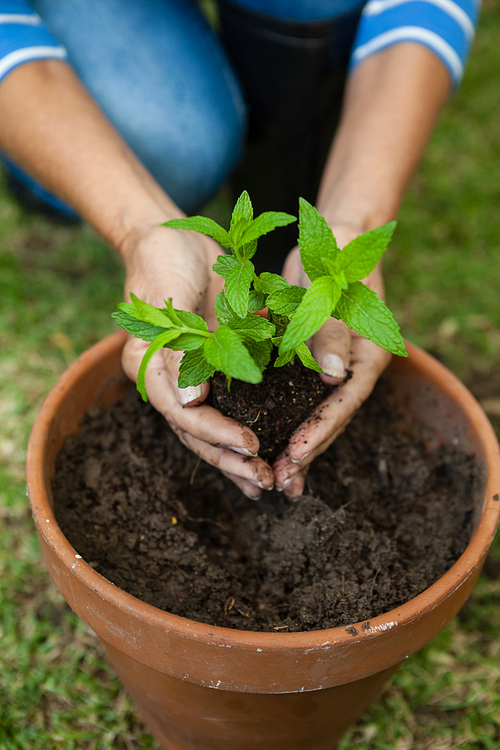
x=352, y=209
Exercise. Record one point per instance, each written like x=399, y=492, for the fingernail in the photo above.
x=250, y=496
x=332, y=365
x=243, y=451
x=286, y=483
x=298, y=460
x=262, y=486
x=186, y=395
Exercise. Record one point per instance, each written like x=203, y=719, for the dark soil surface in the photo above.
x=383, y=519
x=274, y=408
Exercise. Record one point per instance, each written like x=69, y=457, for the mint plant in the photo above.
x=242, y=345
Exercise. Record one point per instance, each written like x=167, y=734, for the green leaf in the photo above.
x=225, y=264
x=316, y=307
x=191, y=320
x=260, y=352
x=204, y=225
x=256, y=301
x=363, y=311
x=318, y=246
x=285, y=301
x=267, y=283
x=253, y=328
x=223, y=310
x=307, y=359
x=284, y=359
x=237, y=287
x=194, y=369
x=249, y=250
x=226, y=353
x=138, y=328
x=145, y=312
x=360, y=256
x=187, y=340
x=241, y=217
x=264, y=224
x=162, y=340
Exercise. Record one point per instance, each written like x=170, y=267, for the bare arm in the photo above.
x=54, y=130
x=392, y=102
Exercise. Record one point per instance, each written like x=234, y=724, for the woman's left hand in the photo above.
x=337, y=349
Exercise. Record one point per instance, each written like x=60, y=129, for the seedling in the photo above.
x=242, y=345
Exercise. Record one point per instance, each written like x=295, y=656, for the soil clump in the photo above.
x=383, y=517
x=273, y=408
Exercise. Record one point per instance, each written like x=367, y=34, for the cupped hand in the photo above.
x=337, y=349
x=161, y=263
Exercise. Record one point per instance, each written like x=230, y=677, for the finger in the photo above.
x=331, y=349
x=220, y=441
x=295, y=486
x=252, y=491
x=334, y=414
x=206, y=423
x=254, y=471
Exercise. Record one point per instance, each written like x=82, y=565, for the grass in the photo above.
x=58, y=286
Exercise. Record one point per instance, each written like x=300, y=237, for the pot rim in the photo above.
x=38, y=485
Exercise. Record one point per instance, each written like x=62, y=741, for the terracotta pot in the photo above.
x=209, y=688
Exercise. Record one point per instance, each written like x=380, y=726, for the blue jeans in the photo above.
x=160, y=75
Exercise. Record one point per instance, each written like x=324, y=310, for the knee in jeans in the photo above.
x=194, y=164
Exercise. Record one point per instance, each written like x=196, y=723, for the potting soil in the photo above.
x=382, y=518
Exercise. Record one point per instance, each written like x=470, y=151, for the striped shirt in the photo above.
x=23, y=37
x=444, y=26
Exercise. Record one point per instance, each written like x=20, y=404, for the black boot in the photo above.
x=293, y=90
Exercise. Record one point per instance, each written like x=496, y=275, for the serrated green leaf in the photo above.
x=187, y=342
x=204, y=225
x=265, y=223
x=241, y=217
x=360, y=256
x=316, y=307
x=138, y=328
x=253, y=328
x=225, y=264
x=223, y=310
x=318, y=246
x=283, y=359
x=237, y=287
x=267, y=283
x=362, y=310
x=249, y=250
x=307, y=359
x=226, y=353
x=147, y=313
x=285, y=301
x=256, y=301
x=161, y=341
x=191, y=320
x=194, y=369
x=260, y=351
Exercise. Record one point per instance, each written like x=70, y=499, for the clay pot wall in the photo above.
x=199, y=687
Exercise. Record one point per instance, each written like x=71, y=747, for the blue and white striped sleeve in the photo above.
x=23, y=37
x=446, y=27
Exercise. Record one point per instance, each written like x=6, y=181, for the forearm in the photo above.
x=392, y=102
x=53, y=129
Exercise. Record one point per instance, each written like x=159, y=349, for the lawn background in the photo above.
x=58, y=286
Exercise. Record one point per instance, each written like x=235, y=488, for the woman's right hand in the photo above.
x=161, y=263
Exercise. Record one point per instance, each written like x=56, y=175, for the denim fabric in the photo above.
x=161, y=77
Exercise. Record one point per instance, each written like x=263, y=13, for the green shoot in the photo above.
x=242, y=345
